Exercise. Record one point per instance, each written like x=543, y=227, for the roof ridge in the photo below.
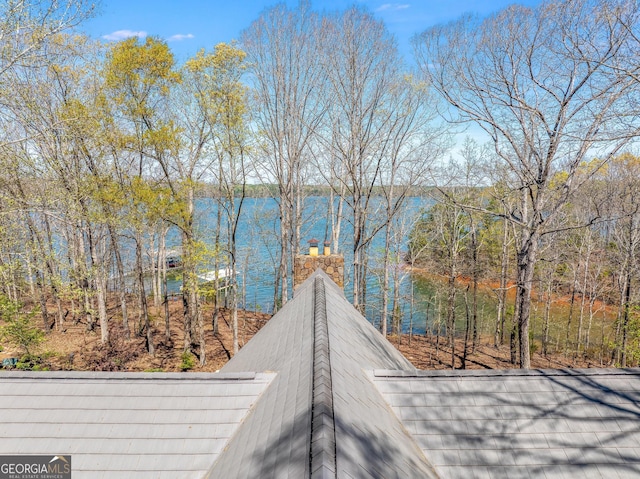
x=322, y=452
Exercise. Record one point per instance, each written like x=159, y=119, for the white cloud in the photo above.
x=179, y=37
x=122, y=34
x=392, y=7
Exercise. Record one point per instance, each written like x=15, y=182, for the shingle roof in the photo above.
x=319, y=393
x=319, y=330
x=371, y=441
x=514, y=423
x=125, y=425
x=275, y=439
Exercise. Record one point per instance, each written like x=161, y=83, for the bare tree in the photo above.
x=369, y=124
x=544, y=84
x=283, y=47
x=413, y=144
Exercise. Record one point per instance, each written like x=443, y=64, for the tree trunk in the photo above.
x=385, y=280
x=579, y=341
x=625, y=320
x=53, y=273
x=502, y=292
x=297, y=226
x=233, y=289
x=42, y=297
x=451, y=318
x=474, y=303
x=570, y=317
x=397, y=313
x=163, y=285
x=142, y=298
x=285, y=219
x=467, y=329
x=156, y=286
x=547, y=314
x=526, y=264
x=363, y=280
x=336, y=220
x=99, y=280
x=190, y=279
x=587, y=339
x=122, y=289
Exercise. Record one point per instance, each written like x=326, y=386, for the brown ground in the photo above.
x=423, y=354
x=76, y=348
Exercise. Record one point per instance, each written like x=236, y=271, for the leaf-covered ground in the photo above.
x=78, y=349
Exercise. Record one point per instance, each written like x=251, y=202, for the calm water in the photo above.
x=257, y=250
x=423, y=301
x=257, y=260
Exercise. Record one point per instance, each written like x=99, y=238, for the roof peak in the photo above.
x=322, y=416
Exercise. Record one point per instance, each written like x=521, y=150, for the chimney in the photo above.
x=313, y=247
x=305, y=264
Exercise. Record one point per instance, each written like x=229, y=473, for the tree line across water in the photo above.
x=585, y=280
x=107, y=144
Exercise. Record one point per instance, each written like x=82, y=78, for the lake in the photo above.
x=257, y=244
x=422, y=300
x=257, y=247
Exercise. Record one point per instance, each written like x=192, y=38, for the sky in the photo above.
x=189, y=25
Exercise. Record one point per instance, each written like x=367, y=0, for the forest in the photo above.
x=106, y=148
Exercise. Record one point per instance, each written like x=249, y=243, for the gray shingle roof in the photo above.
x=370, y=440
x=275, y=439
x=124, y=425
x=510, y=424
x=319, y=330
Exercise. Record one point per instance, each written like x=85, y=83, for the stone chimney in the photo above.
x=305, y=264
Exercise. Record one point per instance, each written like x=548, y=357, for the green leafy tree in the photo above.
x=138, y=78
x=214, y=81
x=19, y=329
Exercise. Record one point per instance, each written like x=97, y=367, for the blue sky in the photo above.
x=189, y=25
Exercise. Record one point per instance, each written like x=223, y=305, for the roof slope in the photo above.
x=514, y=423
x=125, y=425
x=275, y=439
x=354, y=433
x=371, y=441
